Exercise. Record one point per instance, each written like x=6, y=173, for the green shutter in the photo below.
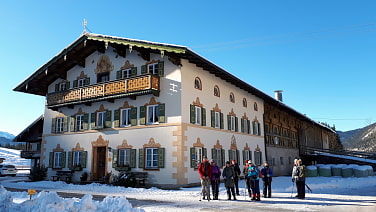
x=212, y=118
x=161, y=68
x=222, y=121
x=144, y=69
x=193, y=114
x=237, y=155
x=93, y=118
x=228, y=122
x=117, y=118
x=71, y=123
x=203, y=113
x=65, y=124
x=67, y=85
x=236, y=124
x=86, y=121
x=242, y=125
x=206, y=152
x=70, y=160
x=259, y=129
x=118, y=74
x=229, y=155
x=223, y=157
x=244, y=153
x=114, y=158
x=51, y=160
x=133, y=71
x=161, y=118
x=249, y=127
x=57, y=87
x=108, y=122
x=63, y=159
x=143, y=115
x=75, y=83
x=161, y=157
x=83, y=159
x=214, y=154
x=53, y=125
x=141, y=158
x=133, y=158
x=134, y=116
x=253, y=127
x=193, y=157
x=87, y=81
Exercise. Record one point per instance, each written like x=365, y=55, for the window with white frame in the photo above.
x=198, y=155
x=151, y=158
x=153, y=114
x=124, y=157
x=101, y=118
x=233, y=155
x=217, y=119
x=247, y=155
x=256, y=128
x=126, y=72
x=125, y=117
x=79, y=122
x=63, y=86
x=153, y=68
x=57, y=160
x=245, y=126
x=198, y=117
x=232, y=123
x=81, y=82
x=77, y=158
x=59, y=124
x=218, y=157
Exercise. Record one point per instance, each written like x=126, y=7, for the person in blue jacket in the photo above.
x=253, y=174
x=267, y=173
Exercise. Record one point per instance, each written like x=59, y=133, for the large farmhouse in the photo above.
x=114, y=104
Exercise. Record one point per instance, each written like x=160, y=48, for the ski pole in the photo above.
x=309, y=189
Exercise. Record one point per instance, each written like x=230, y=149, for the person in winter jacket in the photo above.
x=253, y=174
x=267, y=173
x=246, y=178
x=237, y=174
x=205, y=171
x=215, y=179
x=228, y=175
x=298, y=176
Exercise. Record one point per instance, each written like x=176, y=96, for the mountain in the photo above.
x=363, y=139
x=6, y=138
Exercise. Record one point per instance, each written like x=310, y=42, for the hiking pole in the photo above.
x=309, y=189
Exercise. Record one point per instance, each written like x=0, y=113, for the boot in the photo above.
x=258, y=197
x=228, y=196
x=234, y=196
x=253, y=197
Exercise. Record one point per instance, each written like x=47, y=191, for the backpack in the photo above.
x=302, y=171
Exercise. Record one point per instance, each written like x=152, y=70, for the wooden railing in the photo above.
x=139, y=85
x=28, y=154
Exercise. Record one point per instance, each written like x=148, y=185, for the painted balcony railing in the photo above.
x=140, y=85
x=30, y=154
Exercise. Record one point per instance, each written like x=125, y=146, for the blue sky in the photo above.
x=321, y=53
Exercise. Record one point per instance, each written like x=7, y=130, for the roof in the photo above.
x=75, y=54
x=32, y=133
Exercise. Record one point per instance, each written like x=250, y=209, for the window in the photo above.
x=153, y=114
x=79, y=122
x=81, y=82
x=281, y=159
x=125, y=117
x=198, y=115
x=126, y=73
x=101, y=119
x=57, y=158
x=245, y=126
x=59, y=125
x=232, y=97
x=256, y=128
x=247, y=155
x=156, y=68
x=244, y=102
x=258, y=158
x=124, y=157
x=103, y=77
x=198, y=83
x=217, y=119
x=218, y=156
x=232, y=123
x=255, y=106
x=151, y=158
x=233, y=155
x=216, y=91
x=153, y=68
x=196, y=156
x=77, y=157
x=63, y=86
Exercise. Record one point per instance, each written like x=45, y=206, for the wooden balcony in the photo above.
x=30, y=154
x=135, y=86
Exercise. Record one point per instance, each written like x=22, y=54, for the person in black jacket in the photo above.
x=267, y=173
x=237, y=174
x=298, y=176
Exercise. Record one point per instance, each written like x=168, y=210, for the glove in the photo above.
x=232, y=178
x=293, y=180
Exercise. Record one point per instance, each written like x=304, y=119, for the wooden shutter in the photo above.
x=108, y=122
x=193, y=157
x=203, y=116
x=193, y=114
x=65, y=124
x=53, y=125
x=141, y=158
x=118, y=74
x=212, y=118
x=86, y=121
x=70, y=160
x=75, y=83
x=93, y=119
x=143, y=115
x=144, y=69
x=134, y=116
x=161, y=68
x=222, y=121
x=51, y=160
x=63, y=159
x=72, y=124
x=83, y=159
x=161, y=157
x=133, y=71
x=161, y=112
x=117, y=118
x=133, y=158
x=114, y=158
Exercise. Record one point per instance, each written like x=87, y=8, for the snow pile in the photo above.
x=51, y=202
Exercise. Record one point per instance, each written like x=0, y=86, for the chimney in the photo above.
x=278, y=95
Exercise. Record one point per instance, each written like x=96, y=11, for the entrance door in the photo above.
x=99, y=163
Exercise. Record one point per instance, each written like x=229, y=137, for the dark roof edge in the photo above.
x=41, y=117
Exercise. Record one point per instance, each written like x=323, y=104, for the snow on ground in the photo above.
x=12, y=157
x=329, y=193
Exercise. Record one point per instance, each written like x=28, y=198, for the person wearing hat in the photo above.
x=267, y=173
x=228, y=175
x=246, y=177
x=237, y=174
x=215, y=179
x=298, y=176
x=253, y=174
x=205, y=171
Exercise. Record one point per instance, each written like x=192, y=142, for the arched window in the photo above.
x=198, y=84
x=255, y=106
x=232, y=98
x=244, y=102
x=216, y=91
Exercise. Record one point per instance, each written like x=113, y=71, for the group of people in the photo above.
x=210, y=174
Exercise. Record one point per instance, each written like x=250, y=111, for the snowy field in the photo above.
x=329, y=194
